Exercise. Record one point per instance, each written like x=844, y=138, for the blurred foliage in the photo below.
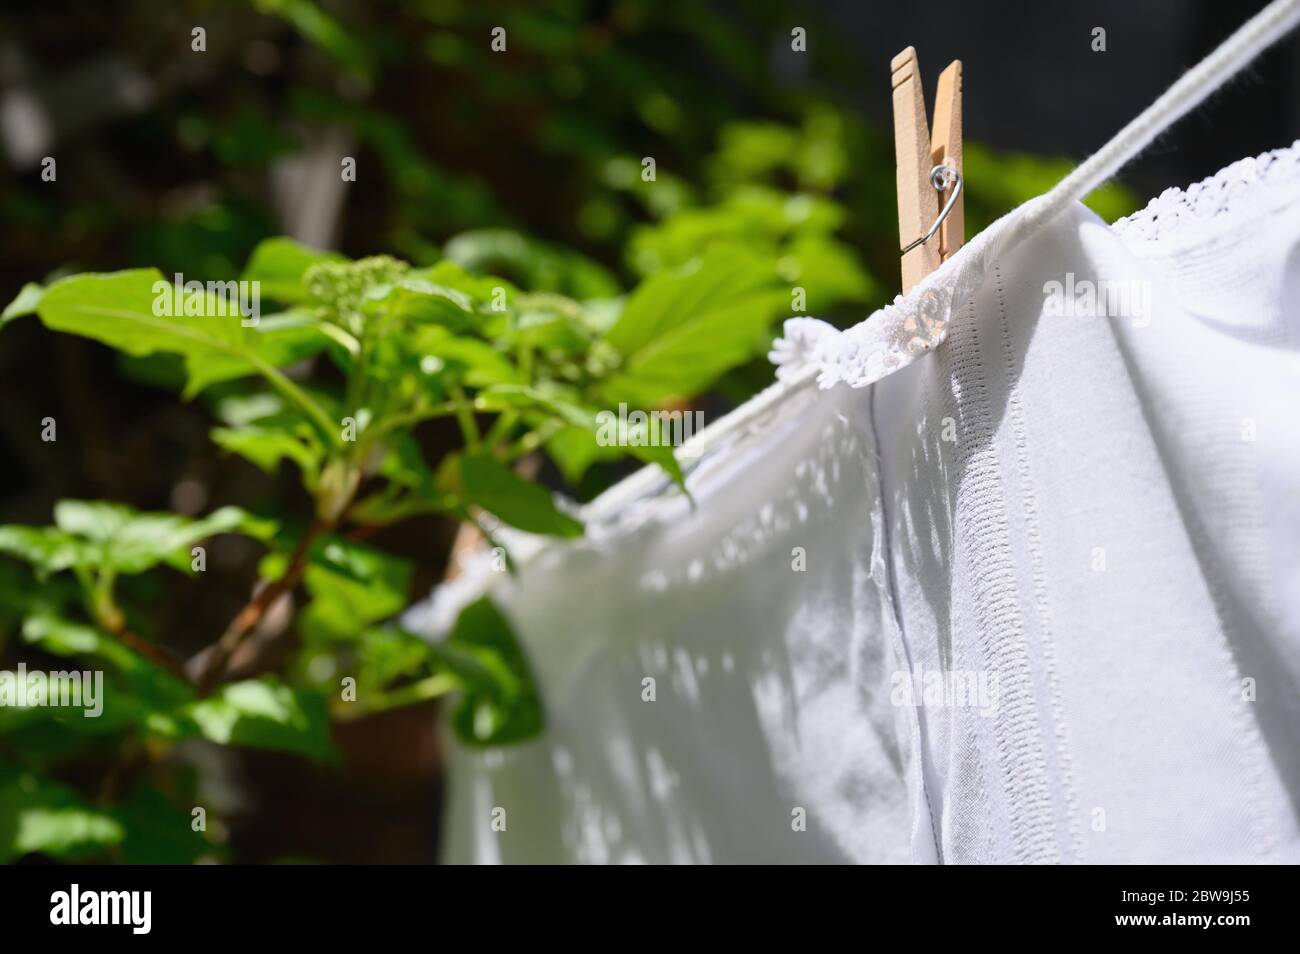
x=618, y=207
x=335, y=386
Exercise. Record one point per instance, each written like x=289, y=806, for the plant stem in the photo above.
x=214, y=667
x=532, y=440
x=501, y=429
x=97, y=588
x=327, y=428
x=411, y=418
x=335, y=333
x=430, y=687
x=465, y=417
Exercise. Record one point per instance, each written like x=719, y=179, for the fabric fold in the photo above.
x=1020, y=587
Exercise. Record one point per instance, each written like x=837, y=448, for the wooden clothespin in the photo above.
x=919, y=154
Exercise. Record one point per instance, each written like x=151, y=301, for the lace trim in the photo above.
x=1227, y=191
x=889, y=339
x=894, y=336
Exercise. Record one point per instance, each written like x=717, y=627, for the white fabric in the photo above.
x=1091, y=513
x=1098, y=516
x=910, y=326
x=769, y=690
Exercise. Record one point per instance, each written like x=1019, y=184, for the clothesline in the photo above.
x=1089, y=523
x=1189, y=91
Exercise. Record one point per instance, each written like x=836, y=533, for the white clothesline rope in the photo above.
x=1189, y=91
x=647, y=480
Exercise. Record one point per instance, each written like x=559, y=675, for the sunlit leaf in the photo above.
x=265, y=447
x=500, y=703
x=279, y=340
x=47, y=549
x=278, y=264
x=129, y=541
x=123, y=310
x=532, y=263
x=490, y=484
x=479, y=363
x=679, y=330
x=38, y=815
x=351, y=585
x=25, y=303
x=265, y=714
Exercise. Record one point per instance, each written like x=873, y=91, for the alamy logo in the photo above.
x=134, y=908
x=652, y=429
x=69, y=690
x=1084, y=298
x=196, y=299
x=947, y=688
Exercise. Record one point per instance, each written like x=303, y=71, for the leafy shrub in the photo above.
x=334, y=385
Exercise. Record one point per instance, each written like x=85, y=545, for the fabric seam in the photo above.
x=891, y=594
x=1015, y=412
x=1001, y=633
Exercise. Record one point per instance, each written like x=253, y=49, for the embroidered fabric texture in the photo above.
x=949, y=521
x=910, y=326
x=1233, y=191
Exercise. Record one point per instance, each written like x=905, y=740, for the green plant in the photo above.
x=335, y=386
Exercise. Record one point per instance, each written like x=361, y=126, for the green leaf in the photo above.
x=38, y=815
x=265, y=447
x=261, y=407
x=149, y=694
x=681, y=329
x=22, y=591
x=26, y=302
x=416, y=299
x=265, y=714
x=486, y=291
x=404, y=465
x=98, y=535
x=118, y=310
x=48, y=550
x=671, y=299
x=278, y=340
x=410, y=488
x=535, y=264
x=829, y=271
x=477, y=362
x=550, y=402
x=490, y=484
x=324, y=31
x=351, y=585
x=549, y=323
x=388, y=653
x=501, y=704
x=128, y=541
x=664, y=456
x=575, y=449
x=279, y=264
x=60, y=637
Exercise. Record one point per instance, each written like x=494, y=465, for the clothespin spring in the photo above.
x=941, y=177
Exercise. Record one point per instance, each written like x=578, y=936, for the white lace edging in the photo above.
x=1229, y=191
x=894, y=336
x=891, y=338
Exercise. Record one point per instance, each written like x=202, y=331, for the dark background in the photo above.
x=1032, y=82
